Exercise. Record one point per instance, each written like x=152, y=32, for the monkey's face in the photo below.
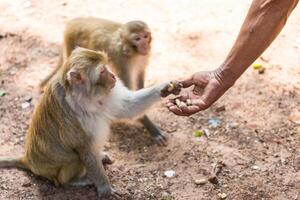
x=91, y=81
x=141, y=42
x=105, y=78
x=87, y=74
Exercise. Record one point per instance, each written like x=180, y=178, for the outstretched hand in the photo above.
x=207, y=89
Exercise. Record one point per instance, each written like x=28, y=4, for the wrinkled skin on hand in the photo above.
x=207, y=88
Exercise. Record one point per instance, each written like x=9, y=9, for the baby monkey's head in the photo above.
x=86, y=72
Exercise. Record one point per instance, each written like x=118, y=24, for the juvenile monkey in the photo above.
x=72, y=120
x=127, y=45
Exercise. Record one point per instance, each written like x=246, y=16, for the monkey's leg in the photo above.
x=96, y=173
x=71, y=172
x=154, y=131
x=83, y=180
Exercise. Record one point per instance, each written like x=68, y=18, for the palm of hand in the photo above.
x=207, y=89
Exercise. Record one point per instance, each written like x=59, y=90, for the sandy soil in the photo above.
x=256, y=146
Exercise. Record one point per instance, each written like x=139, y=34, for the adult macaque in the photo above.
x=127, y=45
x=72, y=121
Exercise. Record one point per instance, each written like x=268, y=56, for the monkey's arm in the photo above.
x=95, y=171
x=129, y=104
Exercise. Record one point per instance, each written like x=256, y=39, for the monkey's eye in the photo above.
x=137, y=39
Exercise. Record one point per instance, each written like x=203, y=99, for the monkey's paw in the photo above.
x=174, y=87
x=107, y=191
x=106, y=160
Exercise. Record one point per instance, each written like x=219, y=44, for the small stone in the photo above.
x=169, y=173
x=221, y=109
x=232, y=125
x=222, y=195
x=25, y=105
x=276, y=155
x=201, y=181
x=12, y=73
x=26, y=184
x=213, y=180
x=295, y=117
x=166, y=196
x=262, y=70
x=255, y=167
x=206, y=132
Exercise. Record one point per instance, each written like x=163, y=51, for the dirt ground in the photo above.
x=256, y=147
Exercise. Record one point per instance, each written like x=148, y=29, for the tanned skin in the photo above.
x=127, y=45
x=71, y=123
x=264, y=21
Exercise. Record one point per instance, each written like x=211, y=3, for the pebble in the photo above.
x=222, y=195
x=166, y=196
x=255, y=167
x=28, y=184
x=220, y=109
x=201, y=181
x=169, y=173
x=206, y=132
x=12, y=73
x=25, y=105
x=232, y=125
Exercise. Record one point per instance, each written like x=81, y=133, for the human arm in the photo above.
x=264, y=21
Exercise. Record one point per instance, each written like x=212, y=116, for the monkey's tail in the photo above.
x=7, y=162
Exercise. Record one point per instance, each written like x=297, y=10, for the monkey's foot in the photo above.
x=81, y=182
x=158, y=136
x=108, y=191
x=160, y=139
x=154, y=131
x=106, y=160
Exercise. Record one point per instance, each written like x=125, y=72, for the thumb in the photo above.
x=187, y=82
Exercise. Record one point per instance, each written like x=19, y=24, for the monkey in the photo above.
x=128, y=47
x=72, y=121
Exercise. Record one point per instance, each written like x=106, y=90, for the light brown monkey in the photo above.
x=127, y=45
x=72, y=121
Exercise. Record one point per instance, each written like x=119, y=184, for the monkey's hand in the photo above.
x=174, y=87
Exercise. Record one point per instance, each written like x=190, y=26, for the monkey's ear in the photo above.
x=128, y=51
x=75, y=77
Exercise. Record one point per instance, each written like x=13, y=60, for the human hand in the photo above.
x=208, y=87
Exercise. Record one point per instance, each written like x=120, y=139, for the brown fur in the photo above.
x=57, y=147
x=117, y=40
